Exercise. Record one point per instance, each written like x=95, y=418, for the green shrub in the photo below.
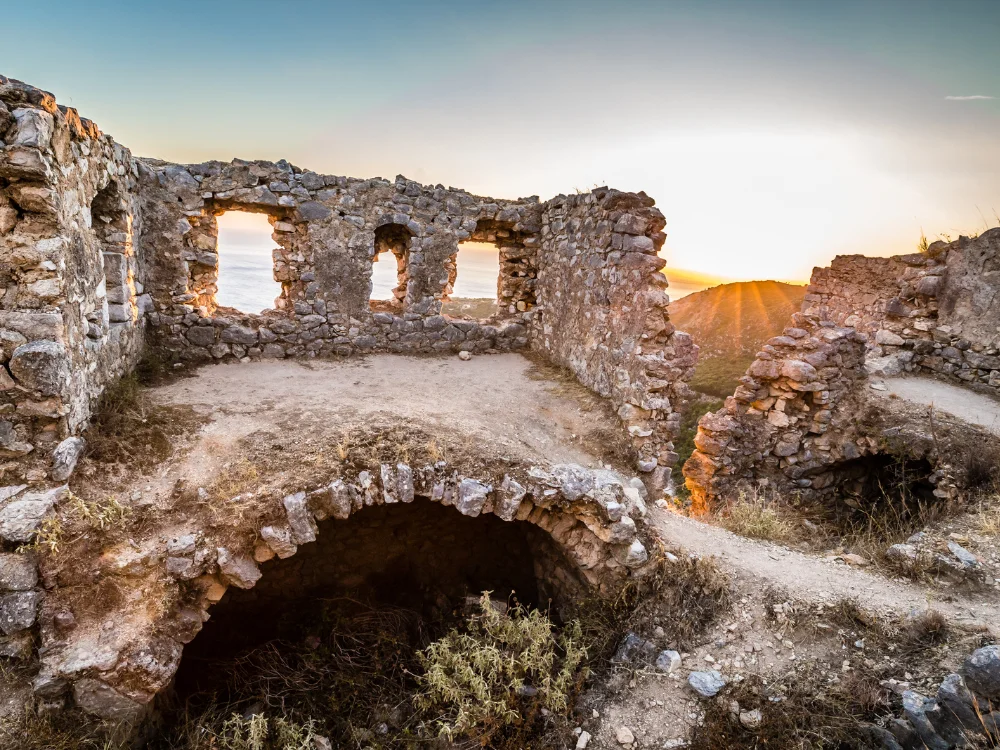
x=258, y=733
x=484, y=679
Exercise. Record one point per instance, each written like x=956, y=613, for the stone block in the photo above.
x=41, y=366
x=18, y=572
x=18, y=611
x=65, y=456
x=300, y=518
x=237, y=570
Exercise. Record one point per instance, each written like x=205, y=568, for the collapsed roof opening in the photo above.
x=400, y=574
x=246, y=262
x=390, y=261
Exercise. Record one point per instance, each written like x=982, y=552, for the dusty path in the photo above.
x=816, y=579
x=974, y=408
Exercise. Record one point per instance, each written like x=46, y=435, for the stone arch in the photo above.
x=585, y=540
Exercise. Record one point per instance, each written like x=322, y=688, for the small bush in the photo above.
x=257, y=732
x=499, y=671
x=755, y=516
x=78, y=514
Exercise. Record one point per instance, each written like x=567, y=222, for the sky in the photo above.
x=773, y=135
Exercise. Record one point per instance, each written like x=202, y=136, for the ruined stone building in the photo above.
x=811, y=418
x=109, y=258
x=320, y=454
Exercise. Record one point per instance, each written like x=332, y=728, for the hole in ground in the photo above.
x=882, y=496
x=333, y=633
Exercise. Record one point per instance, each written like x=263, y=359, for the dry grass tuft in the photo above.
x=802, y=709
x=66, y=730
x=238, y=477
x=128, y=428
x=757, y=516
x=684, y=595
x=987, y=516
x=927, y=629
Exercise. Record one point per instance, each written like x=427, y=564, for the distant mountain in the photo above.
x=730, y=323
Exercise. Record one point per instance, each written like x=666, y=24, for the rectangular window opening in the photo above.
x=472, y=288
x=246, y=262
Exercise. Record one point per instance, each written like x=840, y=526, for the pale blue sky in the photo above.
x=773, y=135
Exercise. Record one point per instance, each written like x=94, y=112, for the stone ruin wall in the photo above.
x=107, y=255
x=603, y=314
x=802, y=413
x=935, y=313
x=69, y=318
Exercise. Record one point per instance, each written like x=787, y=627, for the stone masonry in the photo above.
x=932, y=312
x=108, y=256
x=805, y=412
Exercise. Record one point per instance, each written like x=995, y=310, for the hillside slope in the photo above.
x=734, y=320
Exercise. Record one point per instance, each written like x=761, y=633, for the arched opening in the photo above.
x=246, y=262
x=881, y=490
x=351, y=611
x=110, y=223
x=390, y=260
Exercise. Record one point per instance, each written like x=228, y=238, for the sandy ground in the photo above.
x=500, y=408
x=972, y=407
x=487, y=398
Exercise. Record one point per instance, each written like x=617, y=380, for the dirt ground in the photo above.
x=487, y=399
x=975, y=408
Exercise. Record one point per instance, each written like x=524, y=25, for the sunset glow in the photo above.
x=773, y=136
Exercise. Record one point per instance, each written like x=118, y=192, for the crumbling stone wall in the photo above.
x=932, y=312
x=70, y=317
x=106, y=256
x=788, y=419
x=103, y=248
x=329, y=230
x=805, y=411
x=602, y=312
